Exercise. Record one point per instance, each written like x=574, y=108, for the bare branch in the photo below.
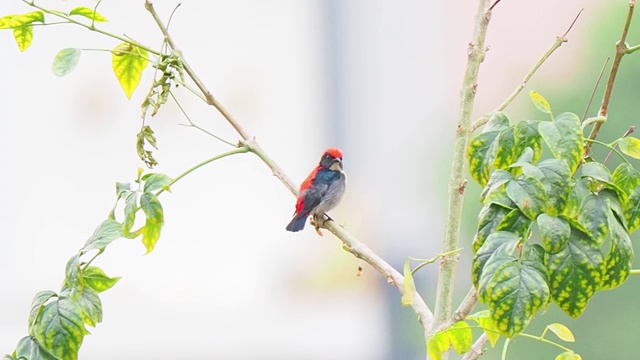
x=621, y=50
x=559, y=41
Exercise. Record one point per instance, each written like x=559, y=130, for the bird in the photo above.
x=321, y=191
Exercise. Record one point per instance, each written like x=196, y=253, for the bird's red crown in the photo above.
x=334, y=152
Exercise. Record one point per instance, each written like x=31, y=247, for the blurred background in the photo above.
x=379, y=79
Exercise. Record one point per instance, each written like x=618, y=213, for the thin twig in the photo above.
x=465, y=307
x=629, y=131
x=621, y=49
x=595, y=88
x=357, y=248
x=457, y=181
x=559, y=41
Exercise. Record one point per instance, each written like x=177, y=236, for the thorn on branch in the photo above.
x=462, y=187
x=471, y=49
x=494, y=5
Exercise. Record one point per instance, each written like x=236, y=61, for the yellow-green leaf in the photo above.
x=540, y=102
x=25, y=19
x=60, y=328
x=630, y=146
x=562, y=332
x=23, y=36
x=155, y=219
x=5, y=21
x=437, y=345
x=483, y=318
x=65, y=61
x=576, y=271
x=128, y=62
x=88, y=13
x=460, y=337
x=96, y=279
x=409, y=285
x=568, y=355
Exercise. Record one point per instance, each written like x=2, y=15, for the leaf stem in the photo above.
x=239, y=150
x=608, y=146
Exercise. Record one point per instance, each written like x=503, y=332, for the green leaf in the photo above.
x=73, y=274
x=579, y=192
x=131, y=205
x=36, y=306
x=29, y=349
x=575, y=272
x=155, y=219
x=460, y=337
x=562, y=332
x=564, y=138
x=157, y=181
x=128, y=62
x=409, y=285
x=555, y=178
x=91, y=306
x=593, y=215
x=498, y=243
x=540, y=102
x=122, y=188
x=568, y=355
x=60, y=328
x=482, y=148
x=96, y=279
x=506, y=152
x=65, y=61
x=484, y=320
x=600, y=173
x=488, y=220
x=497, y=179
x=103, y=235
x=554, y=232
x=631, y=209
x=626, y=177
x=518, y=291
x=526, y=135
x=528, y=194
x=630, y=146
x=437, y=345
x=620, y=258
x=88, y=13
x=517, y=223
x=23, y=36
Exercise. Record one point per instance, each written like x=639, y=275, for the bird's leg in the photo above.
x=328, y=218
x=316, y=224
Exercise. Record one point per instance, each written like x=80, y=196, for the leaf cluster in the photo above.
x=580, y=212
x=57, y=321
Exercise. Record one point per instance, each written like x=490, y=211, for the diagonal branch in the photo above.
x=559, y=41
x=621, y=50
x=354, y=246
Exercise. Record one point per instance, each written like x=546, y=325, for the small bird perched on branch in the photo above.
x=321, y=191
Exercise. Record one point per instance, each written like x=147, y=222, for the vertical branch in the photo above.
x=457, y=181
x=621, y=50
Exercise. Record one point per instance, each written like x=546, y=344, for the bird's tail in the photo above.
x=297, y=223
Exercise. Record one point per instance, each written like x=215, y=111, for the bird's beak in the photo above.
x=336, y=165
